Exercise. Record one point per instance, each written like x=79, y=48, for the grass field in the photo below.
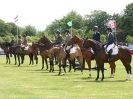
x=29, y=82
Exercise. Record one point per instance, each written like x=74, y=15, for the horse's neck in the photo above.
x=80, y=43
x=96, y=47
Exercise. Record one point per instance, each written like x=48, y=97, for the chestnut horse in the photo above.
x=101, y=57
x=88, y=54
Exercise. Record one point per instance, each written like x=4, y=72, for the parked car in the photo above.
x=2, y=51
x=130, y=47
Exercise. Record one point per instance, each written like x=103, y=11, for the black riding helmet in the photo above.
x=109, y=29
x=57, y=32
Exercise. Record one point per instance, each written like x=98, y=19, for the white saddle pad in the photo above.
x=73, y=49
x=115, y=50
x=26, y=48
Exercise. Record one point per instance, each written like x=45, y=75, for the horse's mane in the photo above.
x=96, y=42
x=44, y=40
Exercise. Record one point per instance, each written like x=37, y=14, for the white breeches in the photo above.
x=110, y=47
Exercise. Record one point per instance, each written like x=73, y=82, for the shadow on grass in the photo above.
x=87, y=79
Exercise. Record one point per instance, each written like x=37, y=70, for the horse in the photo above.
x=75, y=53
x=88, y=54
x=45, y=45
x=61, y=57
x=101, y=57
x=32, y=53
x=5, y=46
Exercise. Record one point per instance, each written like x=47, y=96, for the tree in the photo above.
x=29, y=31
x=61, y=25
x=99, y=18
x=13, y=28
x=127, y=20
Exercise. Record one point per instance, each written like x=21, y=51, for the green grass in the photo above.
x=29, y=82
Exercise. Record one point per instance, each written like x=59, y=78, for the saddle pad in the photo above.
x=115, y=50
x=26, y=48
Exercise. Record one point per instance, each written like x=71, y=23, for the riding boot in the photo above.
x=109, y=56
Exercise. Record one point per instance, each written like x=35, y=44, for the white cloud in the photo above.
x=40, y=13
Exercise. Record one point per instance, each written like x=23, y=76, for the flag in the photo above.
x=69, y=23
x=16, y=18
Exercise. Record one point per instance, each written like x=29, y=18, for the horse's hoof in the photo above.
x=96, y=79
x=102, y=79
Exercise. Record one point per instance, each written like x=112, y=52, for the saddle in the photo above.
x=114, y=50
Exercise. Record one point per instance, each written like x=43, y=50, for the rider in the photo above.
x=58, y=38
x=24, y=41
x=68, y=36
x=110, y=43
x=19, y=40
x=96, y=35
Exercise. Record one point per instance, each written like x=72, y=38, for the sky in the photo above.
x=40, y=13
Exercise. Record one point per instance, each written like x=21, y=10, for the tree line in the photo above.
x=81, y=25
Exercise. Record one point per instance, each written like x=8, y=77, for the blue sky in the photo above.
x=40, y=13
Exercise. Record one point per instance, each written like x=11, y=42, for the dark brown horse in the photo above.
x=45, y=45
x=88, y=54
x=5, y=46
x=101, y=57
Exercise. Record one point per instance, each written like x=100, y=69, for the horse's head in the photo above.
x=44, y=40
x=75, y=40
x=35, y=45
x=89, y=43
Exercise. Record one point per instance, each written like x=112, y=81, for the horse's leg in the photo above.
x=70, y=65
x=9, y=59
x=6, y=58
x=80, y=59
x=51, y=64
x=36, y=60
x=15, y=59
x=18, y=59
x=64, y=64
x=73, y=64
x=98, y=70
x=42, y=63
x=30, y=59
x=89, y=66
x=59, y=67
x=128, y=69
x=112, y=66
x=46, y=62
x=102, y=69
x=22, y=58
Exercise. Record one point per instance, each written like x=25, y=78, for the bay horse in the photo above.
x=5, y=46
x=45, y=45
x=60, y=53
x=88, y=54
x=101, y=57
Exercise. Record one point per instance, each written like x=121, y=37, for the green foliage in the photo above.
x=103, y=39
x=29, y=31
x=129, y=39
x=127, y=20
x=98, y=18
